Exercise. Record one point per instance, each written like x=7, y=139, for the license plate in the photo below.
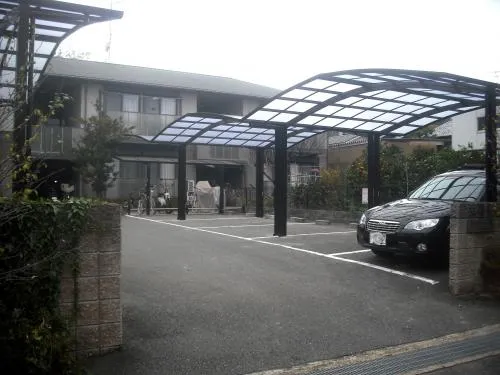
x=378, y=238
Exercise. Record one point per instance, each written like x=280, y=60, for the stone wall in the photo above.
x=98, y=327
x=474, y=248
x=332, y=216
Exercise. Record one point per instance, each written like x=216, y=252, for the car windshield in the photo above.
x=460, y=188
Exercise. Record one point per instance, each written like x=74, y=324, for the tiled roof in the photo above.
x=107, y=72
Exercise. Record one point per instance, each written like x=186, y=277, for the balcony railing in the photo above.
x=59, y=141
x=143, y=123
x=55, y=140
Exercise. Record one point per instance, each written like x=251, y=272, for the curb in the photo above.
x=322, y=222
x=295, y=219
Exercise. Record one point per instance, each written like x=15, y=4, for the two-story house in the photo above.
x=147, y=99
x=468, y=129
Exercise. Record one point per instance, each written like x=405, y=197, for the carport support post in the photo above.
x=280, y=180
x=21, y=91
x=148, y=189
x=373, y=170
x=491, y=145
x=181, y=184
x=259, y=183
x=220, y=178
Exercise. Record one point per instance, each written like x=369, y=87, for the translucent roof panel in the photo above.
x=223, y=130
x=213, y=129
x=385, y=101
x=53, y=22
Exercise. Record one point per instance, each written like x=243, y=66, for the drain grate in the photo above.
x=419, y=359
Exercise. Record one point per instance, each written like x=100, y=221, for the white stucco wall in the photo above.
x=249, y=105
x=465, y=132
x=189, y=102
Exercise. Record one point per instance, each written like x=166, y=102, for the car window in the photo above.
x=426, y=188
x=463, y=188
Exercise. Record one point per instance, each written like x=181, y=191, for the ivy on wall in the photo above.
x=37, y=240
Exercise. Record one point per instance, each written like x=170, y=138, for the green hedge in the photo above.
x=37, y=239
x=400, y=173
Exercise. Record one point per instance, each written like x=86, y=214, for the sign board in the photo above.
x=364, y=196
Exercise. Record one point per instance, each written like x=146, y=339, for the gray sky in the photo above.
x=281, y=42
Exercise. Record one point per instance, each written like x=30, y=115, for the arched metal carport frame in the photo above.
x=369, y=102
x=30, y=32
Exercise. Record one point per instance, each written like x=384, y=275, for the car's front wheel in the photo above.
x=382, y=253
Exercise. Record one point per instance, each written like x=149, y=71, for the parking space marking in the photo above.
x=351, y=252
x=250, y=225
x=304, y=234
x=229, y=218
x=369, y=265
x=238, y=226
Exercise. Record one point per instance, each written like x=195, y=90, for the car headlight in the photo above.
x=362, y=221
x=422, y=224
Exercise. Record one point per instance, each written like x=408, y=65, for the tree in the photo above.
x=400, y=173
x=98, y=146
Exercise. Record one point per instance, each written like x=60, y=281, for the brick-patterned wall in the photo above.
x=474, y=230
x=98, y=327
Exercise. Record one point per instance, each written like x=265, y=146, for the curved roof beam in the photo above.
x=50, y=22
x=384, y=101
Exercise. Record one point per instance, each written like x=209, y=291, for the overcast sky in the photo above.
x=278, y=43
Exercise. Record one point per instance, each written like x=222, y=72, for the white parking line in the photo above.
x=380, y=268
x=215, y=218
x=250, y=225
x=238, y=226
x=304, y=234
x=351, y=252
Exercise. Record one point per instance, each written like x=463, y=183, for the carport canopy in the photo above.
x=385, y=102
x=369, y=102
x=36, y=28
x=30, y=32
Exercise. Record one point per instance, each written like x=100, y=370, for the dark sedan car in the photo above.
x=420, y=224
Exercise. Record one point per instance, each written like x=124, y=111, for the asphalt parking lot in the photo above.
x=221, y=295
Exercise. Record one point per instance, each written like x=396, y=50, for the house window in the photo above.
x=130, y=103
x=113, y=101
x=151, y=105
x=117, y=102
x=132, y=170
x=171, y=106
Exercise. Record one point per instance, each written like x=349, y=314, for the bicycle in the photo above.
x=142, y=203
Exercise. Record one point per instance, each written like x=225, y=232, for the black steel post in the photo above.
x=19, y=132
x=259, y=183
x=220, y=182
x=373, y=170
x=148, y=189
x=491, y=145
x=280, y=181
x=30, y=89
x=181, y=184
